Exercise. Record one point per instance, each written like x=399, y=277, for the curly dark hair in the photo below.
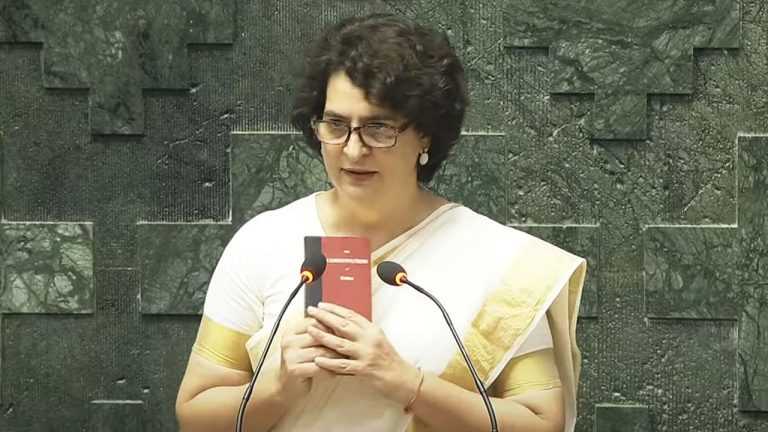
x=406, y=67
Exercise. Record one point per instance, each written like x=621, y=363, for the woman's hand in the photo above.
x=366, y=351
x=298, y=352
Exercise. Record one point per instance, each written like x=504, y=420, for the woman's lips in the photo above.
x=358, y=173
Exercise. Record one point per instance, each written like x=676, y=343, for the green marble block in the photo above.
x=621, y=51
x=46, y=269
x=474, y=175
x=618, y=418
x=117, y=416
x=689, y=272
x=718, y=272
x=62, y=362
x=752, y=273
x=271, y=170
x=117, y=49
x=176, y=262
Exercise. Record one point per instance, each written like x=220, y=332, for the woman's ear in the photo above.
x=426, y=141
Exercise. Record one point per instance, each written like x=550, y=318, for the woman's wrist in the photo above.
x=409, y=406
x=406, y=384
x=286, y=389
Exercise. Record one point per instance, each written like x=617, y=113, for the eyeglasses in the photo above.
x=379, y=135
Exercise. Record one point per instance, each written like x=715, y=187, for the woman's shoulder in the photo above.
x=481, y=226
x=296, y=214
x=271, y=231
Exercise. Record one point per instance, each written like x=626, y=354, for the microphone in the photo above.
x=312, y=268
x=393, y=273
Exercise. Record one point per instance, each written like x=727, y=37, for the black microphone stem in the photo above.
x=475, y=378
x=249, y=390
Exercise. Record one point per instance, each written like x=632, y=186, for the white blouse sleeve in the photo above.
x=234, y=299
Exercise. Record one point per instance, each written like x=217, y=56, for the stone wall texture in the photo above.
x=136, y=136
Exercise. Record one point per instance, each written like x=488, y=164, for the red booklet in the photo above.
x=347, y=278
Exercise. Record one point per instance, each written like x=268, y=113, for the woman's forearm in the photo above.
x=215, y=409
x=444, y=406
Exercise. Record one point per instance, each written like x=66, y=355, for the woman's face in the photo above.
x=360, y=172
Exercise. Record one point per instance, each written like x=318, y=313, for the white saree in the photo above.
x=498, y=284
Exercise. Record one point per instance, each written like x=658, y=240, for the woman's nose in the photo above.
x=355, y=147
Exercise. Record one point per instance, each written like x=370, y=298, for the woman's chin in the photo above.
x=357, y=192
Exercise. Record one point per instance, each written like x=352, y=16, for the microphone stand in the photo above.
x=467, y=360
x=249, y=390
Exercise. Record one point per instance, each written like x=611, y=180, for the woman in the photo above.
x=382, y=100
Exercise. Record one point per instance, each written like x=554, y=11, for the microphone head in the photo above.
x=313, y=267
x=391, y=273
